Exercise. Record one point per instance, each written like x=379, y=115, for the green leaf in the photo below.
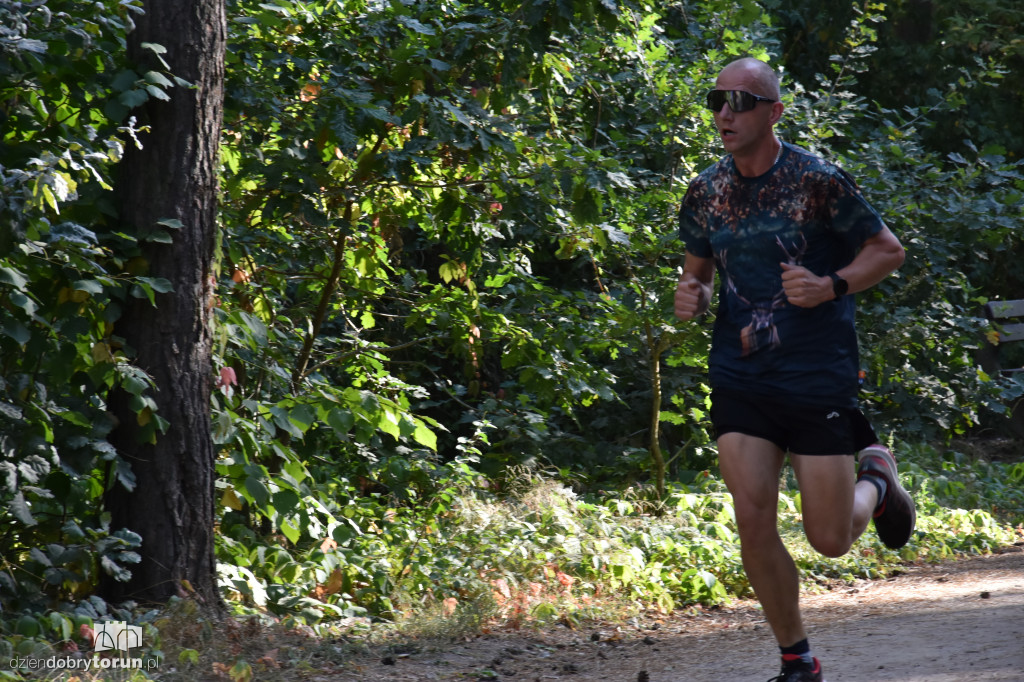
x=77, y=418
x=416, y=26
x=672, y=418
x=114, y=570
x=90, y=286
x=40, y=557
x=13, y=277
x=19, y=508
x=257, y=490
x=22, y=301
x=28, y=45
x=340, y=420
x=158, y=93
x=27, y=626
x=17, y=331
x=133, y=98
x=286, y=501
x=148, y=287
x=159, y=237
x=157, y=78
x=61, y=625
x=135, y=382
x=124, y=80
x=72, y=530
x=424, y=436
x=282, y=419
x=296, y=471
x=291, y=532
x=303, y=416
x=124, y=473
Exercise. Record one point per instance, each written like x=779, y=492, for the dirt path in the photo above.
x=956, y=622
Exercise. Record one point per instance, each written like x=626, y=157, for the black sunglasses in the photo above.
x=738, y=100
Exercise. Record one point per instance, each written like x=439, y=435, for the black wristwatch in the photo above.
x=839, y=285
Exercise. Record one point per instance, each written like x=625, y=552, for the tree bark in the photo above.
x=173, y=176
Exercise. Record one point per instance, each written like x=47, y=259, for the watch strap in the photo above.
x=839, y=285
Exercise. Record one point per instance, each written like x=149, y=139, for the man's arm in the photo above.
x=693, y=293
x=879, y=256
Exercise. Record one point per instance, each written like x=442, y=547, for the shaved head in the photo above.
x=758, y=73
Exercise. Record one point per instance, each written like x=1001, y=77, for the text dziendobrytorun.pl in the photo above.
x=84, y=663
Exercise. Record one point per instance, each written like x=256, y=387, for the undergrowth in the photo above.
x=541, y=554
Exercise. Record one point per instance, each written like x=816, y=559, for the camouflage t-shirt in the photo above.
x=805, y=211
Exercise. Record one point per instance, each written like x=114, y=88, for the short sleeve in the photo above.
x=693, y=230
x=852, y=216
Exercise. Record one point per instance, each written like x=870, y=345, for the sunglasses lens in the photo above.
x=716, y=100
x=741, y=101
x=738, y=100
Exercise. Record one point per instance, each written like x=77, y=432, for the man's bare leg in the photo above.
x=751, y=468
x=836, y=508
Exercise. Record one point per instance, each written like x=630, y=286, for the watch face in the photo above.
x=839, y=286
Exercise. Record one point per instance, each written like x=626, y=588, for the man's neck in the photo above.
x=759, y=161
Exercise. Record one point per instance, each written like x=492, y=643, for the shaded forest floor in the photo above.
x=956, y=621
x=951, y=622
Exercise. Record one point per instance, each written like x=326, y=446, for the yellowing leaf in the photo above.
x=101, y=352
x=335, y=582
x=240, y=672
x=452, y=270
x=231, y=500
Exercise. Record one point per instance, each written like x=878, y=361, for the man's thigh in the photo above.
x=826, y=493
x=750, y=467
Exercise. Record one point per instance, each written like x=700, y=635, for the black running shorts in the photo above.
x=797, y=428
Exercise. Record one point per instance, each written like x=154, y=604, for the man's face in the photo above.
x=743, y=132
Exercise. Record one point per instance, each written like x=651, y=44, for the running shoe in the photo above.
x=895, y=517
x=799, y=671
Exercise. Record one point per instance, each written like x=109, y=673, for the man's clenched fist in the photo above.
x=691, y=297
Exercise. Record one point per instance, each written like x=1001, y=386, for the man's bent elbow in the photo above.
x=891, y=251
x=899, y=257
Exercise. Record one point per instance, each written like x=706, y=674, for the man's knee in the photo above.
x=756, y=525
x=831, y=544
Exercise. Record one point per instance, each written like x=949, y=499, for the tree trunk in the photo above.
x=174, y=176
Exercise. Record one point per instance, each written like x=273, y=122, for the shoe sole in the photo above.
x=899, y=517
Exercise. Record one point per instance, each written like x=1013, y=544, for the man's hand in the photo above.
x=803, y=288
x=691, y=297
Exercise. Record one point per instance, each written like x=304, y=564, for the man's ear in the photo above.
x=777, y=109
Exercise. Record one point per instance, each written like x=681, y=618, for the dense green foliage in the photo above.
x=447, y=257
x=950, y=60
x=62, y=275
